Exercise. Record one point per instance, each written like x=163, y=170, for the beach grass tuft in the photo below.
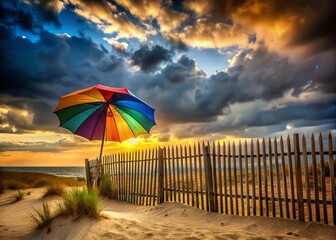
x=18, y=196
x=53, y=190
x=42, y=216
x=81, y=203
x=107, y=188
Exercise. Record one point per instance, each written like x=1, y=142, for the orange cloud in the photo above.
x=207, y=34
x=55, y=5
x=170, y=20
x=292, y=28
x=167, y=18
x=106, y=17
x=120, y=46
x=142, y=9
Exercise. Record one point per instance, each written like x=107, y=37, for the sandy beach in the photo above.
x=169, y=220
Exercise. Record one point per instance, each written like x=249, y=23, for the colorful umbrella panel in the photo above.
x=98, y=112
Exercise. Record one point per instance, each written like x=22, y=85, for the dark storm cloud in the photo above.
x=180, y=71
x=318, y=24
x=109, y=64
x=40, y=146
x=35, y=75
x=17, y=78
x=103, y=49
x=10, y=15
x=184, y=94
x=255, y=121
x=149, y=59
x=178, y=45
x=309, y=22
x=30, y=17
x=326, y=73
x=294, y=112
x=42, y=64
x=51, y=60
x=49, y=10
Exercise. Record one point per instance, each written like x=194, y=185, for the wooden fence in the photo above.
x=276, y=178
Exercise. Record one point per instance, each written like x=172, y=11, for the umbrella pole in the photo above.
x=99, y=160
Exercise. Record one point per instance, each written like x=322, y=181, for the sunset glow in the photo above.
x=212, y=70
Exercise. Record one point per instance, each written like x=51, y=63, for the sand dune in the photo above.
x=166, y=221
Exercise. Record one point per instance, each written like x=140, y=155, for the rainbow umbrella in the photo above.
x=105, y=113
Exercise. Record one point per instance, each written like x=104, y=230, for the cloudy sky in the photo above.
x=212, y=70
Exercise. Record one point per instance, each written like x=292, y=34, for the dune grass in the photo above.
x=18, y=196
x=42, y=216
x=78, y=203
x=107, y=188
x=54, y=190
x=81, y=203
x=24, y=180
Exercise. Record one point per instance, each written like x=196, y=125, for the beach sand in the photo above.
x=169, y=220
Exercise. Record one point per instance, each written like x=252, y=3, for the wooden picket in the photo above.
x=259, y=178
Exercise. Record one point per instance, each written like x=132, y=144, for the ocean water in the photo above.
x=58, y=171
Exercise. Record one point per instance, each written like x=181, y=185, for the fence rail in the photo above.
x=277, y=178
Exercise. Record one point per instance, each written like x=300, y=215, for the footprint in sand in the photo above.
x=293, y=234
x=3, y=228
x=149, y=235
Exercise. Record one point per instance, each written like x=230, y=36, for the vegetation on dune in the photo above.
x=80, y=203
x=53, y=190
x=107, y=188
x=23, y=180
x=18, y=196
x=42, y=216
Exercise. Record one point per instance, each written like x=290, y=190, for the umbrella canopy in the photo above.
x=105, y=113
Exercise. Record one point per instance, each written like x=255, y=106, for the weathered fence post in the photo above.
x=87, y=173
x=298, y=176
x=208, y=180
x=160, y=177
x=332, y=178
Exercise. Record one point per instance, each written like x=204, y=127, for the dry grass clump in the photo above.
x=81, y=203
x=54, y=190
x=78, y=203
x=18, y=196
x=107, y=188
x=42, y=216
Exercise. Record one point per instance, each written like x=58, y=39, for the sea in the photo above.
x=73, y=172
